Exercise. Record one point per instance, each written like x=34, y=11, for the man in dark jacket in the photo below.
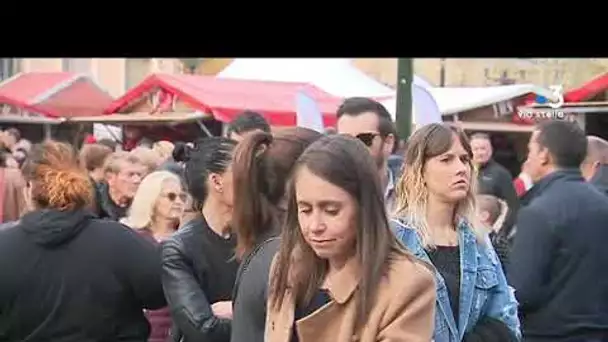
x=494, y=179
x=595, y=166
x=124, y=173
x=559, y=261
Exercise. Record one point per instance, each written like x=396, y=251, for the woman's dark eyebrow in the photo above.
x=324, y=203
x=329, y=203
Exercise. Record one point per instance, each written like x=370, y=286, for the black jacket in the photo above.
x=395, y=164
x=66, y=276
x=199, y=269
x=105, y=206
x=494, y=179
x=600, y=179
x=558, y=261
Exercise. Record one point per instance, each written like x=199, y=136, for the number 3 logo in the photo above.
x=557, y=93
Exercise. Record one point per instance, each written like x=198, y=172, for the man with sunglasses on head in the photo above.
x=370, y=122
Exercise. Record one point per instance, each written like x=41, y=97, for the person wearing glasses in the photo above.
x=155, y=212
x=370, y=122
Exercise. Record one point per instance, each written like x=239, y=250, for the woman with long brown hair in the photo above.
x=67, y=276
x=262, y=165
x=340, y=274
x=436, y=219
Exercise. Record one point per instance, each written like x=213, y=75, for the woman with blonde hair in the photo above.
x=340, y=274
x=155, y=213
x=436, y=220
x=158, y=205
x=164, y=149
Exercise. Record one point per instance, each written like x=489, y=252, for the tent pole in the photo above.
x=405, y=75
x=48, y=135
x=203, y=128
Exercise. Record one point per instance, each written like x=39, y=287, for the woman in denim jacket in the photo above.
x=435, y=220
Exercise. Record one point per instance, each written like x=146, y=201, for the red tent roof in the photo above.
x=587, y=90
x=225, y=98
x=15, y=103
x=56, y=94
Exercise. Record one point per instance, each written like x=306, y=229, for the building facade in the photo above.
x=116, y=75
x=8, y=68
x=485, y=71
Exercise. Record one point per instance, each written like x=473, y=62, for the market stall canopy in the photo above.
x=492, y=126
x=588, y=90
x=140, y=118
x=337, y=76
x=56, y=94
x=225, y=98
x=452, y=100
x=14, y=111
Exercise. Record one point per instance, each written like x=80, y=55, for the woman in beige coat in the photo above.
x=340, y=275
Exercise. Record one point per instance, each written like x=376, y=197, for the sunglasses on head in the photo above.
x=172, y=196
x=367, y=138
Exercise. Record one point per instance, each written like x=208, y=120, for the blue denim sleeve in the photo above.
x=398, y=229
x=502, y=304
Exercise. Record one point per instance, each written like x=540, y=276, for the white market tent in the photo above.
x=337, y=76
x=451, y=100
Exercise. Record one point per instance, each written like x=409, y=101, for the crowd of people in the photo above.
x=294, y=235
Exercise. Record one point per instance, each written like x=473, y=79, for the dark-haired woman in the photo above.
x=340, y=274
x=262, y=165
x=67, y=276
x=436, y=220
x=199, y=267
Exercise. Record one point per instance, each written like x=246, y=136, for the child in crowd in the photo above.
x=492, y=211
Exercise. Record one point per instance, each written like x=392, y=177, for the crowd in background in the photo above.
x=294, y=235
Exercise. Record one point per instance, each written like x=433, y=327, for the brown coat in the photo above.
x=12, y=185
x=403, y=311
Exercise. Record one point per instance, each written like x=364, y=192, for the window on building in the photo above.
x=558, y=75
x=8, y=68
x=522, y=74
x=77, y=65
x=486, y=76
x=136, y=70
